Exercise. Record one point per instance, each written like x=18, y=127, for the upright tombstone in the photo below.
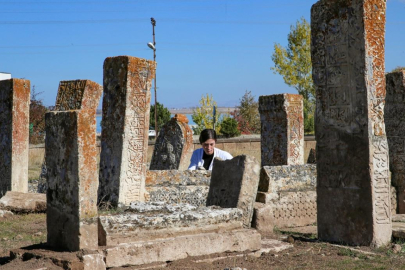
x=124, y=135
x=353, y=186
x=14, y=135
x=73, y=95
x=174, y=145
x=234, y=184
x=395, y=127
x=71, y=158
x=282, y=129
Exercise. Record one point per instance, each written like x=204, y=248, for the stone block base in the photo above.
x=159, y=220
x=286, y=209
x=170, y=249
x=21, y=202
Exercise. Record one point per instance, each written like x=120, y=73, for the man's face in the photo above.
x=208, y=146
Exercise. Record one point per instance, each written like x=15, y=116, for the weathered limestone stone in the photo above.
x=21, y=202
x=14, y=133
x=174, y=145
x=174, y=186
x=395, y=127
x=72, y=179
x=73, y=95
x=287, y=196
x=195, y=195
x=77, y=95
x=175, y=177
x=275, y=179
x=124, y=135
x=234, y=183
x=353, y=186
x=175, y=248
x=282, y=129
x=290, y=209
x=92, y=261
x=160, y=220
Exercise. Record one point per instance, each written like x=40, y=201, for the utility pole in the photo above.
x=153, y=21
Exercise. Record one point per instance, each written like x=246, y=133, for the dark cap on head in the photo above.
x=207, y=134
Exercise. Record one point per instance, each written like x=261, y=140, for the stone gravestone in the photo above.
x=125, y=125
x=73, y=95
x=78, y=94
x=234, y=184
x=282, y=129
x=353, y=186
x=71, y=158
x=14, y=135
x=395, y=127
x=174, y=145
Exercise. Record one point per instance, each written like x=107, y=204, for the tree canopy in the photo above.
x=203, y=115
x=247, y=114
x=37, y=118
x=294, y=64
x=163, y=114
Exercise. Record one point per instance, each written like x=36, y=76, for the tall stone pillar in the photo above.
x=14, y=135
x=395, y=127
x=353, y=186
x=125, y=125
x=71, y=157
x=174, y=145
x=282, y=129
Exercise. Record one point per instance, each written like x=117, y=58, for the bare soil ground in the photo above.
x=308, y=253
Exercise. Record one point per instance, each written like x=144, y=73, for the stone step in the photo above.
x=175, y=248
x=157, y=220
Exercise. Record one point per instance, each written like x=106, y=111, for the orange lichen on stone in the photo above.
x=181, y=118
x=78, y=94
x=14, y=134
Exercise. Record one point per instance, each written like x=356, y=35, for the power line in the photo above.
x=141, y=21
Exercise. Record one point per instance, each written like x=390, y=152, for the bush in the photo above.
x=229, y=127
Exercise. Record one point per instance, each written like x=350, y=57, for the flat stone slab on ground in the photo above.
x=170, y=249
x=159, y=220
x=21, y=202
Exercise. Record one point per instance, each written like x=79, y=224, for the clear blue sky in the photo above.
x=220, y=47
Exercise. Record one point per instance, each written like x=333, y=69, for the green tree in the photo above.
x=294, y=64
x=247, y=114
x=229, y=127
x=163, y=115
x=37, y=118
x=203, y=115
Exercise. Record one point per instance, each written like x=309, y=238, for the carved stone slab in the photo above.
x=78, y=94
x=282, y=129
x=75, y=95
x=14, y=135
x=124, y=135
x=174, y=145
x=395, y=127
x=71, y=158
x=353, y=186
x=234, y=183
